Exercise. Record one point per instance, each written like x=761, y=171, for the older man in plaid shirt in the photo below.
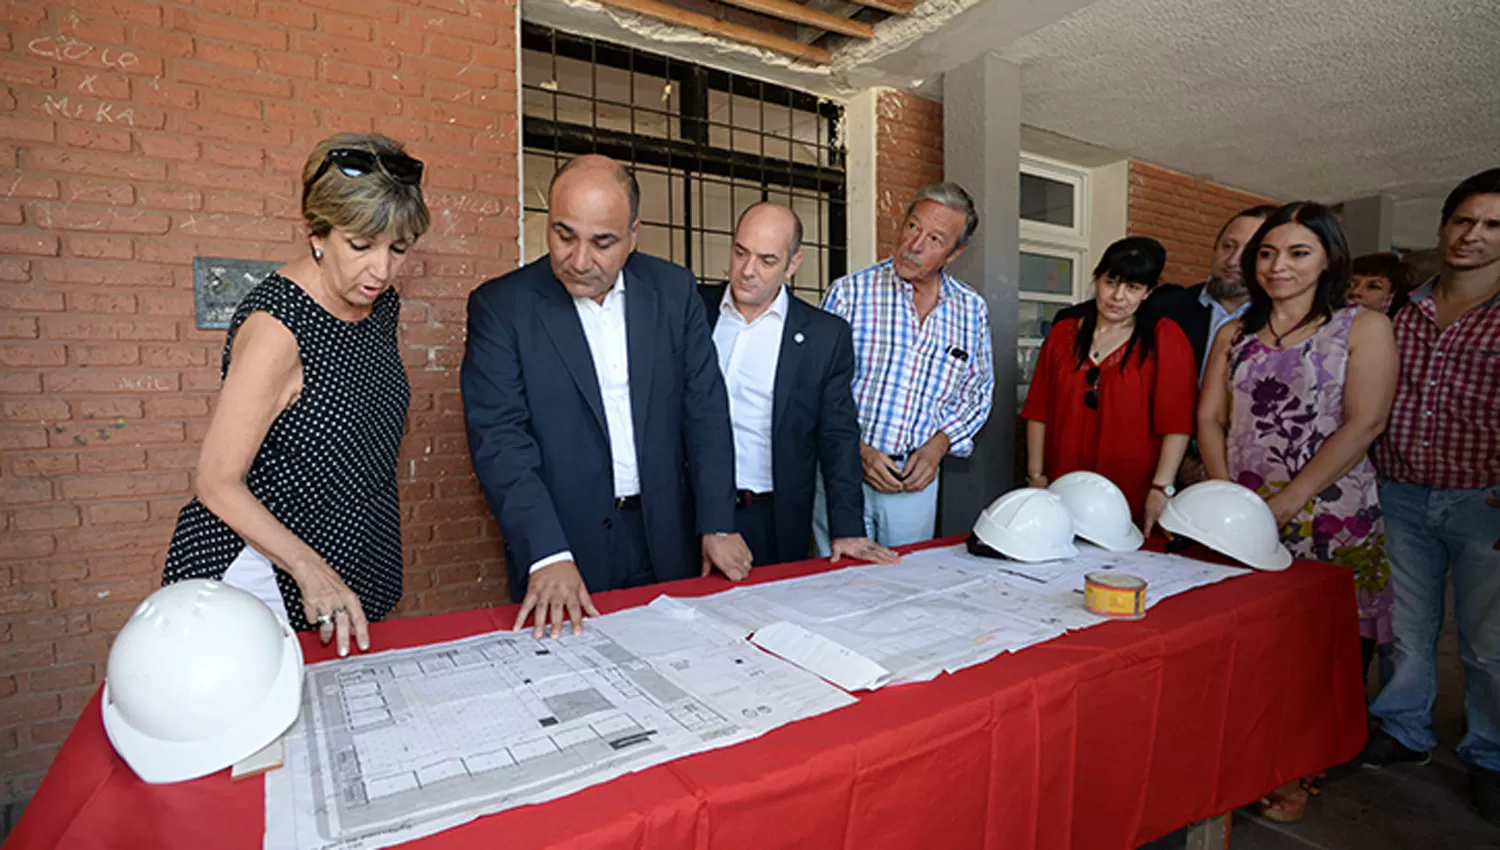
x=1440, y=463
x=923, y=375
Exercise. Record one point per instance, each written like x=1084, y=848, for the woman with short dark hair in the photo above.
x=1294, y=394
x=1115, y=387
x=1379, y=281
x=296, y=483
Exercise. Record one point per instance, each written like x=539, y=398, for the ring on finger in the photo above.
x=340, y=610
x=324, y=620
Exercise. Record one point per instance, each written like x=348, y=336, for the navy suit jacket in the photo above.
x=537, y=432
x=813, y=420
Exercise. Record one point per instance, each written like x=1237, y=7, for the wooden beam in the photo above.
x=895, y=7
x=788, y=10
x=842, y=8
x=735, y=32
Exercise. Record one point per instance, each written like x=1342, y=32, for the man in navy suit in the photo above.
x=787, y=368
x=596, y=414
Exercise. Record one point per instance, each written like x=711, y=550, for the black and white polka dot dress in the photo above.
x=327, y=467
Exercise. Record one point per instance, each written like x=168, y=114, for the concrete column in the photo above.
x=1368, y=222
x=982, y=153
x=859, y=178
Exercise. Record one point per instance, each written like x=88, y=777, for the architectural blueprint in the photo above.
x=397, y=745
x=936, y=611
x=393, y=746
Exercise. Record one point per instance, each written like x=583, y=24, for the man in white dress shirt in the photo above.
x=787, y=367
x=596, y=414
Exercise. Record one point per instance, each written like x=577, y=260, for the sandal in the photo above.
x=1287, y=804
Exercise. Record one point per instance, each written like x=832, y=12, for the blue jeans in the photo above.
x=1427, y=532
x=891, y=519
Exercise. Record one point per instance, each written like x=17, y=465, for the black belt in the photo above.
x=628, y=503
x=746, y=498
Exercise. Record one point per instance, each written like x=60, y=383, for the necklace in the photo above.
x=1113, y=335
x=1278, y=337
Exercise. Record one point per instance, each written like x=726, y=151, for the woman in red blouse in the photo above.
x=1115, y=390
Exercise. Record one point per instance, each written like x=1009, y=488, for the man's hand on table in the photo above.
x=556, y=593
x=861, y=549
x=728, y=554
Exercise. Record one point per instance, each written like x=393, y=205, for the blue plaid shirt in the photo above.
x=913, y=379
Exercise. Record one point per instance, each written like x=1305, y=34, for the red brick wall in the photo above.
x=135, y=135
x=1184, y=214
x=908, y=156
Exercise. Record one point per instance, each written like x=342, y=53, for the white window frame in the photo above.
x=1077, y=255
x=1052, y=240
x=1051, y=169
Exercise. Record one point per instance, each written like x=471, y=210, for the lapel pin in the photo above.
x=798, y=337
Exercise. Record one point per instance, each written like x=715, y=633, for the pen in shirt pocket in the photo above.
x=958, y=353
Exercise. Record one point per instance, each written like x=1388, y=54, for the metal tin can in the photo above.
x=1120, y=596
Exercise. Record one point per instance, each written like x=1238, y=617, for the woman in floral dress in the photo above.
x=1294, y=394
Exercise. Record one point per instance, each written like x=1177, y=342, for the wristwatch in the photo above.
x=1167, y=490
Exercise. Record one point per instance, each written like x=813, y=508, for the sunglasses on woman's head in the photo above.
x=355, y=162
x=1091, y=395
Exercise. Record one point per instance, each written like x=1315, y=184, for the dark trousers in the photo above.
x=757, y=524
x=629, y=562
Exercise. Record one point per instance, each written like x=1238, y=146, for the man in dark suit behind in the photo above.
x=787, y=368
x=596, y=414
x=1200, y=310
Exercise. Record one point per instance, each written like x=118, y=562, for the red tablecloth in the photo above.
x=1104, y=738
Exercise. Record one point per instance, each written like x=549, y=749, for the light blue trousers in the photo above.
x=891, y=519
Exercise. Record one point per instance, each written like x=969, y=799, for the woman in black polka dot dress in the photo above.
x=296, y=484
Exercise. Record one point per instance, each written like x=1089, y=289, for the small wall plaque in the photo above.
x=219, y=284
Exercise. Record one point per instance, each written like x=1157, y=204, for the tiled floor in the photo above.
x=1398, y=808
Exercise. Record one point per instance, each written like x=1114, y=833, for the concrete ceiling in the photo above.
x=1328, y=100
x=1322, y=99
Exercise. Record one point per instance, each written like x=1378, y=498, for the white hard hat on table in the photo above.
x=201, y=676
x=1101, y=514
x=1028, y=524
x=1229, y=519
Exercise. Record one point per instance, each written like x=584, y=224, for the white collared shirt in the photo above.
x=1218, y=317
x=748, y=355
x=604, y=328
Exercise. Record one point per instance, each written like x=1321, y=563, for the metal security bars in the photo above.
x=703, y=143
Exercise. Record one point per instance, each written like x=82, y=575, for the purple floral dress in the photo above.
x=1283, y=405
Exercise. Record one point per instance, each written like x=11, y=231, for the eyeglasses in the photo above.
x=355, y=162
x=1091, y=395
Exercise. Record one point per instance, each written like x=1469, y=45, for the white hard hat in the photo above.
x=201, y=676
x=1028, y=524
x=1229, y=519
x=1101, y=515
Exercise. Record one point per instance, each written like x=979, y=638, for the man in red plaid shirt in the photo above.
x=1440, y=469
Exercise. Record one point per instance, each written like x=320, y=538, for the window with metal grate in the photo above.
x=704, y=144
